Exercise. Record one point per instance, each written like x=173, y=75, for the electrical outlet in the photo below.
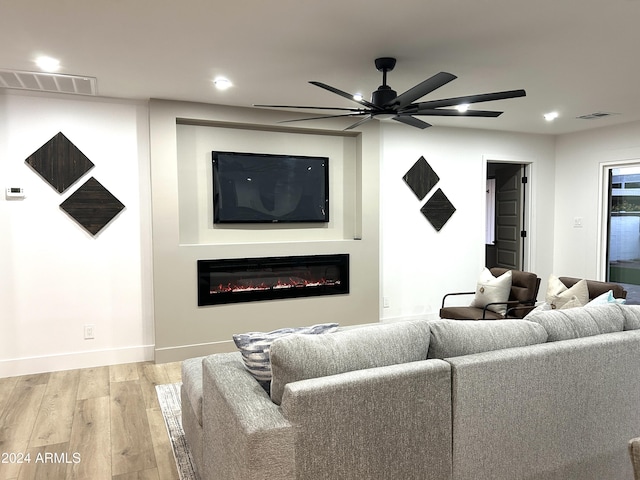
x=89, y=332
x=385, y=302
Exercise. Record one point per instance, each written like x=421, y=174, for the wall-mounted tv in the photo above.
x=262, y=188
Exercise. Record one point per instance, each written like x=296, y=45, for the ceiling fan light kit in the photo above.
x=386, y=103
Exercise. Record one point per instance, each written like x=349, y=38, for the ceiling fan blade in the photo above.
x=409, y=120
x=312, y=108
x=359, y=122
x=322, y=117
x=450, y=102
x=456, y=113
x=420, y=90
x=345, y=95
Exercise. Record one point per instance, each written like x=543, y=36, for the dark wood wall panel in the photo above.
x=438, y=210
x=59, y=162
x=92, y=206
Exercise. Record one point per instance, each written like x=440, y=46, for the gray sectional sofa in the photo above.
x=554, y=396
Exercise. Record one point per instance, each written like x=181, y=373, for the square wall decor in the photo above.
x=92, y=206
x=438, y=209
x=59, y=162
x=421, y=178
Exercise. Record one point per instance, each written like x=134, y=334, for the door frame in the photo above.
x=529, y=240
x=602, y=244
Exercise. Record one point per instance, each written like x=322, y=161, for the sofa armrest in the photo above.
x=385, y=422
x=245, y=435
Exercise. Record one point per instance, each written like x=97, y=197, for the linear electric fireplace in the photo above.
x=269, y=278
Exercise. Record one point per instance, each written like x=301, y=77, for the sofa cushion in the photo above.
x=490, y=289
x=558, y=294
x=299, y=357
x=631, y=316
x=454, y=338
x=255, y=347
x=580, y=322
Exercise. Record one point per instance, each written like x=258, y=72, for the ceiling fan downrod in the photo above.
x=384, y=94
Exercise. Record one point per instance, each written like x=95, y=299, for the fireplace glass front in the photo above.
x=269, y=278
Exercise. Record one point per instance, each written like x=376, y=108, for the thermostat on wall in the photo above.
x=15, y=192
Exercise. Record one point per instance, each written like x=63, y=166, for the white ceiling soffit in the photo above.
x=48, y=82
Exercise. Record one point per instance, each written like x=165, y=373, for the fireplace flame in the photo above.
x=291, y=282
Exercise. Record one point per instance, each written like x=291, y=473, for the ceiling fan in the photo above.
x=386, y=103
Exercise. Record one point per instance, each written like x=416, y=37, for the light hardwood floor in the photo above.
x=95, y=423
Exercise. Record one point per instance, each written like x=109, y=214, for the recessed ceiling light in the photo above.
x=222, y=83
x=358, y=97
x=551, y=116
x=463, y=107
x=48, y=64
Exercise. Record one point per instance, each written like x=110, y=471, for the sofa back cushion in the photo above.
x=581, y=321
x=299, y=357
x=631, y=316
x=454, y=338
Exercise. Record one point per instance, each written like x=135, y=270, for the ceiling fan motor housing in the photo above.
x=383, y=95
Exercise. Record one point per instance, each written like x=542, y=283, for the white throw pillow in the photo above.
x=572, y=303
x=558, y=294
x=490, y=289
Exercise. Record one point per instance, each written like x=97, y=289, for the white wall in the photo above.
x=419, y=264
x=580, y=159
x=56, y=277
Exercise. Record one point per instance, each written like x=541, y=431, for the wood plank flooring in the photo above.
x=96, y=424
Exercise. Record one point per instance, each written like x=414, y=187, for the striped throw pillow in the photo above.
x=255, y=347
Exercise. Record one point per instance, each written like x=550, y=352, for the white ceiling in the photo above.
x=573, y=56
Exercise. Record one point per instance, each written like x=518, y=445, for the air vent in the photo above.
x=596, y=115
x=48, y=82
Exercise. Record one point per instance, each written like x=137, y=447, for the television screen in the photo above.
x=261, y=188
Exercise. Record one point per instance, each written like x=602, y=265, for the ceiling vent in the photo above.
x=596, y=115
x=48, y=82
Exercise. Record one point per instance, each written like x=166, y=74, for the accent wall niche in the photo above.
x=195, y=143
x=183, y=135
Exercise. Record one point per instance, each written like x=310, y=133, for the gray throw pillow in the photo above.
x=454, y=338
x=255, y=347
x=300, y=357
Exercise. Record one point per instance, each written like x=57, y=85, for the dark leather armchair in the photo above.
x=522, y=299
x=597, y=288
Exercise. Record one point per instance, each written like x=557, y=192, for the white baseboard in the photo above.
x=71, y=361
x=407, y=318
x=182, y=352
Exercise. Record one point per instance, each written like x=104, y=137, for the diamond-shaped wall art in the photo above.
x=421, y=178
x=438, y=209
x=59, y=162
x=92, y=206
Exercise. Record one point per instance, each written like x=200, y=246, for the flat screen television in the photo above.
x=263, y=188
